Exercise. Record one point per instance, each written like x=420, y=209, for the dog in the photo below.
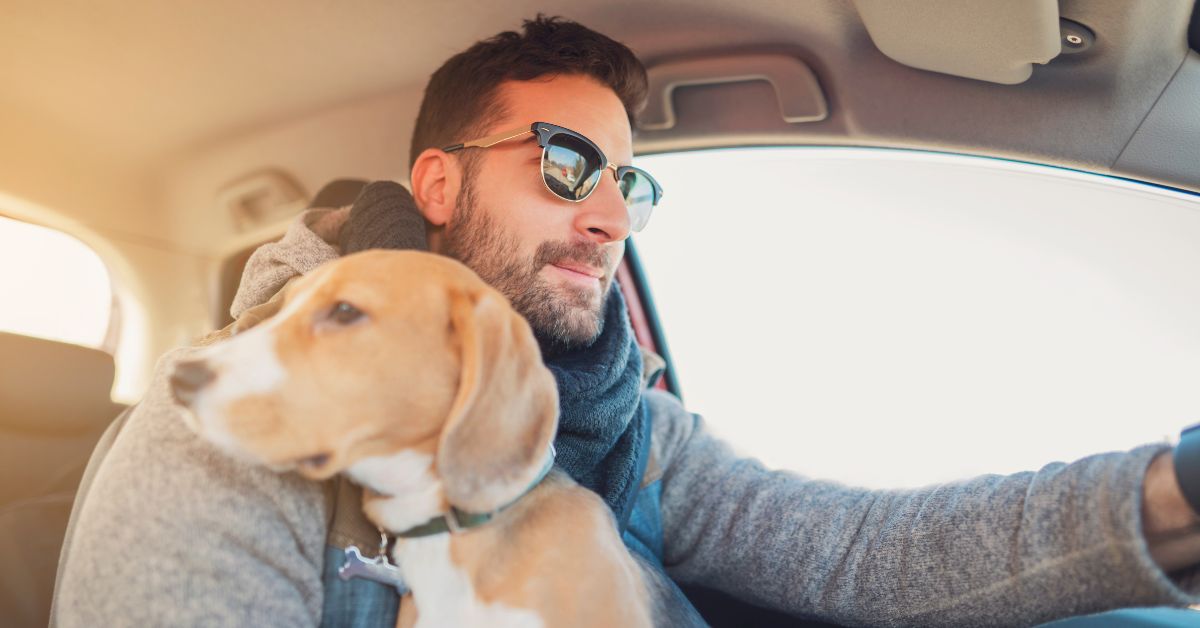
x=408, y=373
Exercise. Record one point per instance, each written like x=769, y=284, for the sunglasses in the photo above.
x=572, y=166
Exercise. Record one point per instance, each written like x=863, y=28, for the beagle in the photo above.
x=408, y=373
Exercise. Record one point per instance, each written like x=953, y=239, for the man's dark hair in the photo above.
x=460, y=100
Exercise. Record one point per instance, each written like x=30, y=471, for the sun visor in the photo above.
x=980, y=39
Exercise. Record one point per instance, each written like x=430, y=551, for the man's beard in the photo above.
x=562, y=317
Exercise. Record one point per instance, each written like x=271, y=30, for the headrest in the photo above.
x=338, y=193
x=48, y=386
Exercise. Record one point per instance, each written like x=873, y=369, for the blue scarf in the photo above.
x=603, y=439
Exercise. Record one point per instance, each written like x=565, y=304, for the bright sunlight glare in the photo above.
x=894, y=319
x=54, y=286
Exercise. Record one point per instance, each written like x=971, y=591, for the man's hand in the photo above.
x=1172, y=529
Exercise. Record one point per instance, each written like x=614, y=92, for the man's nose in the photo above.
x=603, y=217
x=188, y=379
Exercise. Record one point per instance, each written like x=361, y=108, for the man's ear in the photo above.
x=436, y=180
x=505, y=414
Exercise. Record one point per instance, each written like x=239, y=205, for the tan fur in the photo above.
x=551, y=552
x=552, y=544
x=442, y=364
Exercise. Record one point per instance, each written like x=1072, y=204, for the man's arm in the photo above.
x=994, y=550
x=172, y=532
x=1171, y=526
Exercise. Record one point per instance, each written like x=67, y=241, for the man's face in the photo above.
x=554, y=259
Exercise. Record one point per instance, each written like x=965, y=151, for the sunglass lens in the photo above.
x=639, y=197
x=570, y=167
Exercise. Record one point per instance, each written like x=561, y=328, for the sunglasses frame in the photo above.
x=544, y=131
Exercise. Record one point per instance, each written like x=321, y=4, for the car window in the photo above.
x=892, y=318
x=53, y=286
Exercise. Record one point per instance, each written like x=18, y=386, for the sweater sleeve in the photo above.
x=990, y=551
x=172, y=532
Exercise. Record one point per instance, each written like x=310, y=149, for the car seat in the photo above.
x=54, y=404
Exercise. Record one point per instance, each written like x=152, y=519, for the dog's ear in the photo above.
x=505, y=412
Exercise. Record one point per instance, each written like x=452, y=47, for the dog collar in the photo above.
x=457, y=520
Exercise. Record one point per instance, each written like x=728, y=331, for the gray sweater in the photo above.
x=171, y=532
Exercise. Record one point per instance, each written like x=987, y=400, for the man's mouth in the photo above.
x=579, y=269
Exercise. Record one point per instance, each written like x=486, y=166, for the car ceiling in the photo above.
x=99, y=99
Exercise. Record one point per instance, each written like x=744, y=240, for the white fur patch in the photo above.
x=246, y=365
x=407, y=478
x=442, y=591
x=444, y=594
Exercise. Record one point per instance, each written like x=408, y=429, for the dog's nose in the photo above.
x=187, y=380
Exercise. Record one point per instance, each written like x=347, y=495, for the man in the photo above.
x=171, y=532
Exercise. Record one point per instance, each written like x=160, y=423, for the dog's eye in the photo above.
x=343, y=313
x=315, y=463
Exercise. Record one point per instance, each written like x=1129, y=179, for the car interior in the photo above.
x=173, y=139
